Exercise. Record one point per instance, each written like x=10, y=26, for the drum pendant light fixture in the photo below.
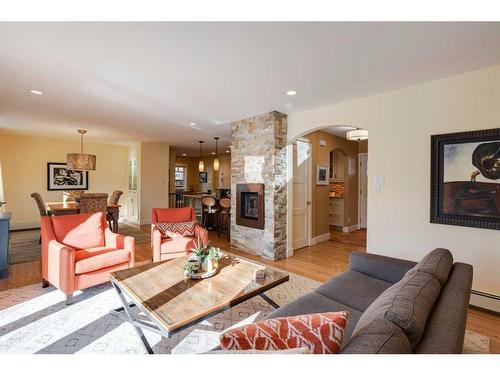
x=357, y=135
x=81, y=161
x=216, y=161
x=201, y=165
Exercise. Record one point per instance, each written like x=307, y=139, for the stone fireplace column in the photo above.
x=258, y=156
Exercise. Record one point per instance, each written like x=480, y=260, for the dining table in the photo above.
x=72, y=207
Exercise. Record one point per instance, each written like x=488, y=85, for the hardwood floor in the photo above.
x=319, y=262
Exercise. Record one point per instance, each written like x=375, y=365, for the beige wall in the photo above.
x=154, y=178
x=24, y=171
x=320, y=193
x=400, y=124
x=171, y=170
x=221, y=179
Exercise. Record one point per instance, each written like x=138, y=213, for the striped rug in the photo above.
x=24, y=246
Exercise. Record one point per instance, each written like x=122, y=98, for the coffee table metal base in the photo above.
x=125, y=314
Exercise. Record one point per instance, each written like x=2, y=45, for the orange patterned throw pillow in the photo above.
x=175, y=230
x=321, y=333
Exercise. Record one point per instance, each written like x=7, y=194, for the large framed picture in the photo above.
x=321, y=175
x=61, y=178
x=465, y=179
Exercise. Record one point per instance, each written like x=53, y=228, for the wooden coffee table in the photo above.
x=172, y=302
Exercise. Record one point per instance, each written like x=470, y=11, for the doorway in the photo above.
x=363, y=189
x=301, y=212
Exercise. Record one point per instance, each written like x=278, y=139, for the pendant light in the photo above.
x=216, y=161
x=81, y=161
x=201, y=165
x=357, y=135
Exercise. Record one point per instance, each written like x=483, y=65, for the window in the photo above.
x=180, y=177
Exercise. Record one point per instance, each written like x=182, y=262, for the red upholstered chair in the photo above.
x=169, y=248
x=79, y=251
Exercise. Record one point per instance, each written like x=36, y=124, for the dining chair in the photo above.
x=40, y=203
x=210, y=213
x=41, y=207
x=115, y=198
x=94, y=202
x=225, y=216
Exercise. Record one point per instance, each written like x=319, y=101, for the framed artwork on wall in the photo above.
x=465, y=179
x=59, y=177
x=321, y=175
x=203, y=177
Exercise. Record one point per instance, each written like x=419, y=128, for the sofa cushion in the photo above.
x=380, y=267
x=437, y=263
x=407, y=304
x=80, y=231
x=321, y=333
x=380, y=336
x=93, y=259
x=315, y=303
x=172, y=215
x=353, y=289
x=177, y=245
x=176, y=230
x=445, y=328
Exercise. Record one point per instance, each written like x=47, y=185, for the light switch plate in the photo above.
x=378, y=183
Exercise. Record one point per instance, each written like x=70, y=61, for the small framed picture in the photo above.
x=321, y=175
x=61, y=178
x=203, y=177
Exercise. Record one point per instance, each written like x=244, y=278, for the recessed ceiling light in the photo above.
x=184, y=154
x=227, y=151
x=36, y=92
x=192, y=124
x=213, y=153
x=291, y=92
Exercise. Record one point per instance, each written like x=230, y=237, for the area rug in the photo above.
x=36, y=320
x=24, y=246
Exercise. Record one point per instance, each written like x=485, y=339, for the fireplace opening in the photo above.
x=250, y=205
x=249, y=209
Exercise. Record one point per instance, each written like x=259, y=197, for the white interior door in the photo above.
x=363, y=189
x=301, y=228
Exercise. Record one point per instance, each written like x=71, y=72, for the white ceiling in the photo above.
x=147, y=81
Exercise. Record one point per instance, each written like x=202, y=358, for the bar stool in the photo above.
x=225, y=213
x=210, y=213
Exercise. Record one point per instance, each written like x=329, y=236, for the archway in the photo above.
x=334, y=204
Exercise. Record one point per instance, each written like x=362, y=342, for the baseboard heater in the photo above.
x=486, y=301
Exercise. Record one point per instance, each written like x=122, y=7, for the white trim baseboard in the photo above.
x=350, y=228
x=485, y=300
x=28, y=225
x=321, y=238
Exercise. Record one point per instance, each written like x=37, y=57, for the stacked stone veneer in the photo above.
x=258, y=155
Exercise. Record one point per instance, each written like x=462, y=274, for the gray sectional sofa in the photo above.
x=395, y=305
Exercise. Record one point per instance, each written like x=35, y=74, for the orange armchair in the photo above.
x=79, y=251
x=169, y=248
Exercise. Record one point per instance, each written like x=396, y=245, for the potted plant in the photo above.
x=211, y=260
x=191, y=267
x=200, y=251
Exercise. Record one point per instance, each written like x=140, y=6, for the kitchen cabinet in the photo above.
x=132, y=206
x=336, y=212
x=4, y=243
